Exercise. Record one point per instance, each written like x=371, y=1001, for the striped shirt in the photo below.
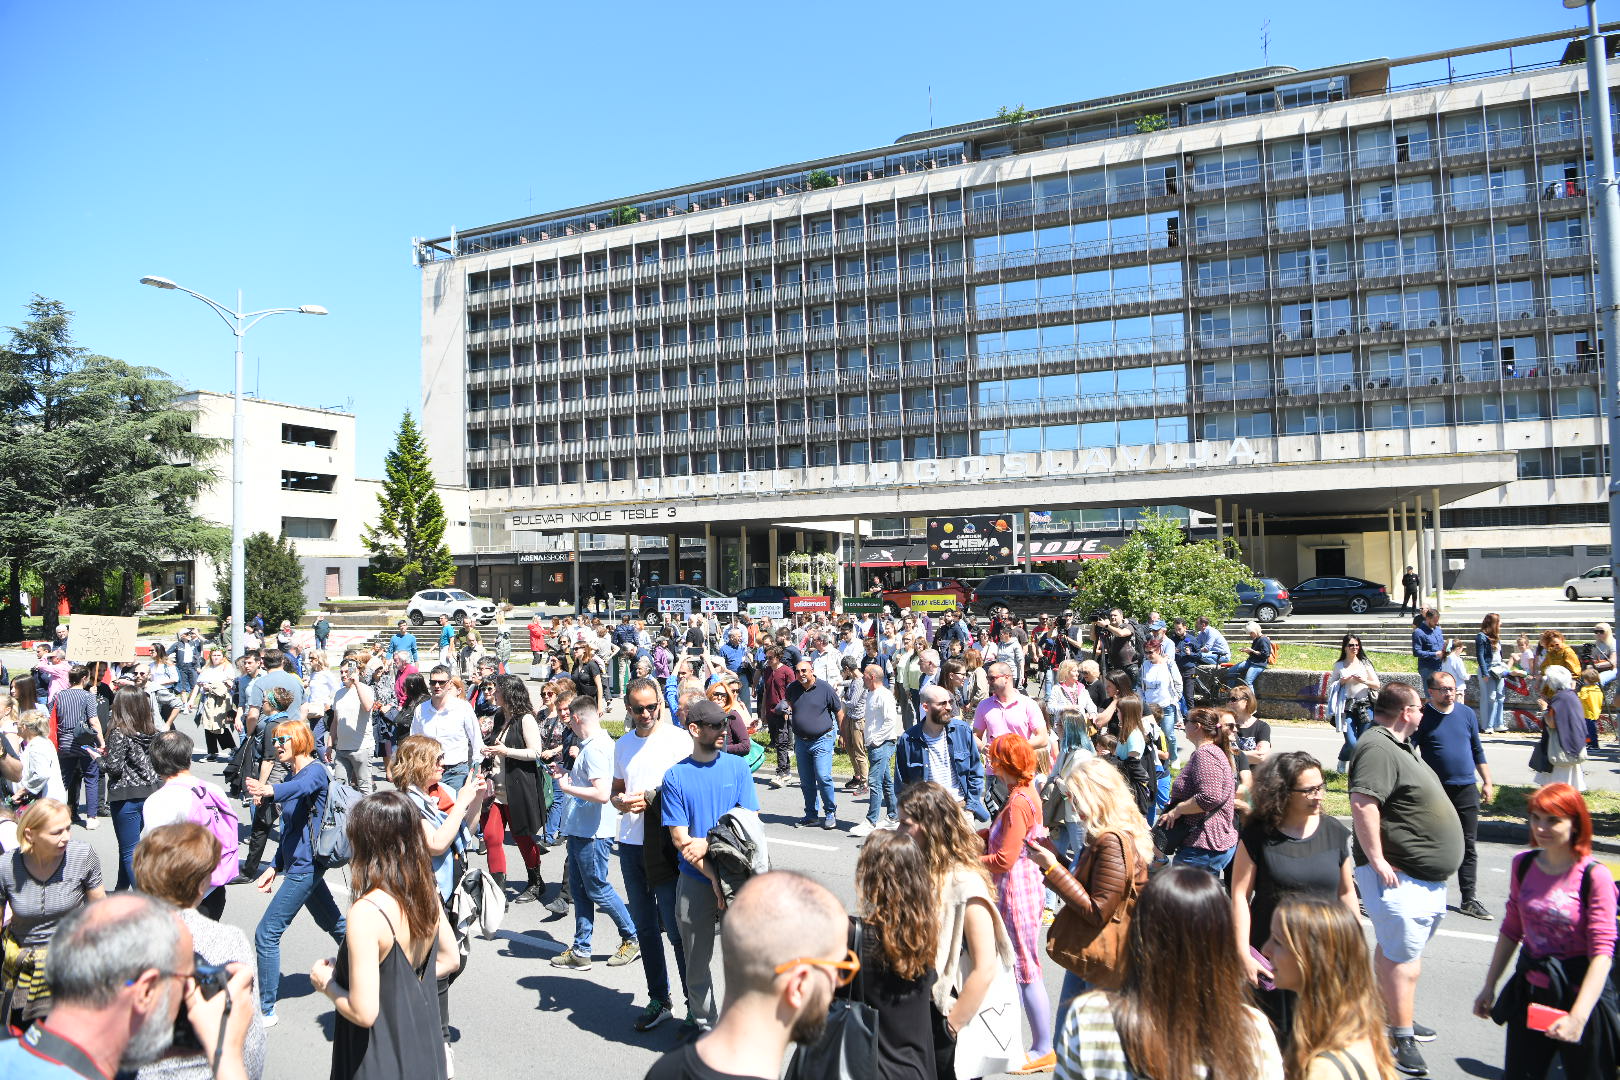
x=1089, y=1048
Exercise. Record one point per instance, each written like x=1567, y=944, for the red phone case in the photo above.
x=1542, y=1017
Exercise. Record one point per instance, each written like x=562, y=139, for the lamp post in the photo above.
x=1608, y=267
x=240, y=323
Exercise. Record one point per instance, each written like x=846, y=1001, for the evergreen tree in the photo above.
x=102, y=469
x=408, y=552
x=272, y=581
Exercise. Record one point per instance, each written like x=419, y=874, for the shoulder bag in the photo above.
x=1096, y=952
x=848, y=1046
x=993, y=1041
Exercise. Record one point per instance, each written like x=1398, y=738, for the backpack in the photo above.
x=244, y=764
x=330, y=841
x=219, y=818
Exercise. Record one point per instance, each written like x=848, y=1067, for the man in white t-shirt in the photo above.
x=447, y=717
x=641, y=757
x=351, y=711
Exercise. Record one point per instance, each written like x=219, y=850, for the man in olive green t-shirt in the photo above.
x=1408, y=842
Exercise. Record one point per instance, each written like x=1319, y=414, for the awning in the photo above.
x=897, y=555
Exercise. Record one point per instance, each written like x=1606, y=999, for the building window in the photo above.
x=299, y=435
x=305, y=528
x=303, y=481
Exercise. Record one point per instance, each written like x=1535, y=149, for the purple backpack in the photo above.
x=218, y=816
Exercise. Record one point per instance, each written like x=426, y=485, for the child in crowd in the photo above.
x=1591, y=695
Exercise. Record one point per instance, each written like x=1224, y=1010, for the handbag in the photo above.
x=993, y=1041
x=1539, y=760
x=1168, y=839
x=848, y=1046
x=1094, y=952
x=1498, y=670
x=1558, y=756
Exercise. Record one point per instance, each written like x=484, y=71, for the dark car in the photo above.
x=765, y=594
x=1270, y=602
x=1351, y=594
x=1023, y=595
x=651, y=596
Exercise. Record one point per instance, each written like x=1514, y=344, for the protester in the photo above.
x=772, y=696
x=1134, y=758
x=816, y=717
x=351, y=703
x=784, y=956
x=1448, y=741
x=1561, y=918
x=1562, y=744
x=1352, y=685
x=214, y=712
x=302, y=800
x=129, y=772
x=114, y=981
x=1255, y=660
x=882, y=733
x=1204, y=793
x=642, y=758
x=1428, y=642
x=696, y=793
x=1182, y=1009
x=1018, y=885
x=183, y=797
x=1318, y=955
x=49, y=876
x=397, y=940
x=176, y=863
x=1111, y=864
x=972, y=947
x=269, y=770
x=723, y=693
x=1408, y=841
x=41, y=776
x=517, y=802
x=448, y=718
x=894, y=939
x=80, y=744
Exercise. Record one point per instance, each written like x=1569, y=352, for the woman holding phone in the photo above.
x=1561, y=918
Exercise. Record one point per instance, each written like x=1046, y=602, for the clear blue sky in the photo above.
x=292, y=150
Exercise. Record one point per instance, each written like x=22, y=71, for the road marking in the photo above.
x=1466, y=935
x=799, y=843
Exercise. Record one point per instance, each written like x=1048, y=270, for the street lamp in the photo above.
x=240, y=323
x=1608, y=267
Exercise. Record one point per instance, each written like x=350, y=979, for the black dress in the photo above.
x=406, y=1039
x=525, y=795
x=905, y=1025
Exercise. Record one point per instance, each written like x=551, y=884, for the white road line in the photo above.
x=1466, y=935
x=799, y=843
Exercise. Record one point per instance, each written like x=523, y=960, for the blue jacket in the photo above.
x=967, y=770
x=1428, y=645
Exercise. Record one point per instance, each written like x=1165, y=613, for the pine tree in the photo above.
x=408, y=552
x=272, y=581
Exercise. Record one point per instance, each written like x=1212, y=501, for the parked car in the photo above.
x=429, y=604
x=765, y=594
x=1596, y=584
x=1352, y=594
x=1022, y=595
x=1268, y=603
x=895, y=599
x=694, y=593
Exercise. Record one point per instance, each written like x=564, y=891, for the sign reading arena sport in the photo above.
x=970, y=541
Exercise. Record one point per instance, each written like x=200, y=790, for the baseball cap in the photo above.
x=1156, y=624
x=705, y=712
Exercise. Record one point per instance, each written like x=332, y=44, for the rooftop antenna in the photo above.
x=1265, y=42
x=930, y=104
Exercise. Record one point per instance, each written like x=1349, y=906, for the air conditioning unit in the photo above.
x=1282, y=335
x=1557, y=369
x=1283, y=391
x=1524, y=314
x=1343, y=331
x=1458, y=321
x=1346, y=387
x=1433, y=323
x=1434, y=381
x=1372, y=384
x=1552, y=313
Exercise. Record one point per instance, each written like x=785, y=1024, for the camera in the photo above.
x=210, y=979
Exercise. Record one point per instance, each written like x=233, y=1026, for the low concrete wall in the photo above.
x=1291, y=694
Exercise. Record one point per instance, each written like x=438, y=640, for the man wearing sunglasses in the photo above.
x=785, y=953
x=446, y=716
x=696, y=793
x=817, y=714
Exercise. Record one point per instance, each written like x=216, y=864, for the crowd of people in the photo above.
x=1076, y=793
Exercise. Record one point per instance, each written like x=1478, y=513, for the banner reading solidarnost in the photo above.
x=764, y=611
x=675, y=605
x=719, y=604
x=970, y=541
x=799, y=604
x=933, y=601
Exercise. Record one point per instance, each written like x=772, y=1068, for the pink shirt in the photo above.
x=1019, y=716
x=1544, y=912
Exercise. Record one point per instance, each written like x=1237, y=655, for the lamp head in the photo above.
x=1576, y=3
x=311, y=309
x=159, y=283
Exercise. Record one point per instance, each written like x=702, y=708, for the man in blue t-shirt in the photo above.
x=696, y=793
x=403, y=641
x=816, y=716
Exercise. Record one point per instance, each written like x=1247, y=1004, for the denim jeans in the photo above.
x=588, y=881
x=652, y=909
x=1213, y=861
x=815, y=773
x=126, y=821
x=1068, y=837
x=1245, y=672
x=80, y=768
x=185, y=678
x=1492, y=696
x=554, y=819
x=880, y=781
x=307, y=889
x=454, y=776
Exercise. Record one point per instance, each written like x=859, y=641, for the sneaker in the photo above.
x=449, y=1063
x=830, y=822
x=557, y=905
x=1424, y=1034
x=779, y=781
x=689, y=1030
x=1474, y=910
x=1407, y=1058
x=865, y=828
x=627, y=951
x=851, y=784
x=568, y=958
x=93, y=823
x=892, y=823
x=269, y=1020
x=808, y=819
x=859, y=792
x=654, y=1014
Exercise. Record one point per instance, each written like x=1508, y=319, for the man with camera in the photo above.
x=1117, y=638
x=120, y=970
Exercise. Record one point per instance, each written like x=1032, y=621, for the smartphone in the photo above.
x=1542, y=1017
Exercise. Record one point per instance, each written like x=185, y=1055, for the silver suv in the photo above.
x=429, y=604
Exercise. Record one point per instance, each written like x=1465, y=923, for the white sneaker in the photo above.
x=269, y=1020
x=865, y=828
x=449, y=1062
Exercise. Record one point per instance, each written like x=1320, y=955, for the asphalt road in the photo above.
x=511, y=1008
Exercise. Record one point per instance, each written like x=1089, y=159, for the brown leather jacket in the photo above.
x=1098, y=883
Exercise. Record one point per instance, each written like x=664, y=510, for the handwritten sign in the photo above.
x=764, y=611
x=102, y=637
x=933, y=601
x=719, y=604
x=675, y=605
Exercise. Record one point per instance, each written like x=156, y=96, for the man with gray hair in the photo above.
x=118, y=971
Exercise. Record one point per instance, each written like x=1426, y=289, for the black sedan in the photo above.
x=1355, y=595
x=692, y=594
x=765, y=594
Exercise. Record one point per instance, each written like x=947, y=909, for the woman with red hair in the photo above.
x=1561, y=917
x=1020, y=897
